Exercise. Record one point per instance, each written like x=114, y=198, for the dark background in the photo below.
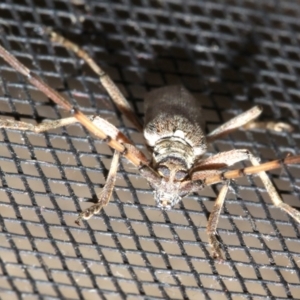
x=231, y=55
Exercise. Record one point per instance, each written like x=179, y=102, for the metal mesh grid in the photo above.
x=231, y=55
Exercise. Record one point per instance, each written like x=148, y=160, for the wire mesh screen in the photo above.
x=231, y=55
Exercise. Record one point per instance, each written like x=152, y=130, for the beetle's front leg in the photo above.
x=106, y=193
x=213, y=223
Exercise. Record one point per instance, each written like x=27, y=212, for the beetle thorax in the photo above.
x=175, y=150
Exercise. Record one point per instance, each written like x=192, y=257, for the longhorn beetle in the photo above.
x=173, y=133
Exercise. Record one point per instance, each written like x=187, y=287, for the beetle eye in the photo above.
x=180, y=175
x=164, y=171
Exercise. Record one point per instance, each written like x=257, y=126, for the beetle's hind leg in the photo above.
x=111, y=88
x=247, y=120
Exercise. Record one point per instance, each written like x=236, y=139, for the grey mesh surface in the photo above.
x=231, y=55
